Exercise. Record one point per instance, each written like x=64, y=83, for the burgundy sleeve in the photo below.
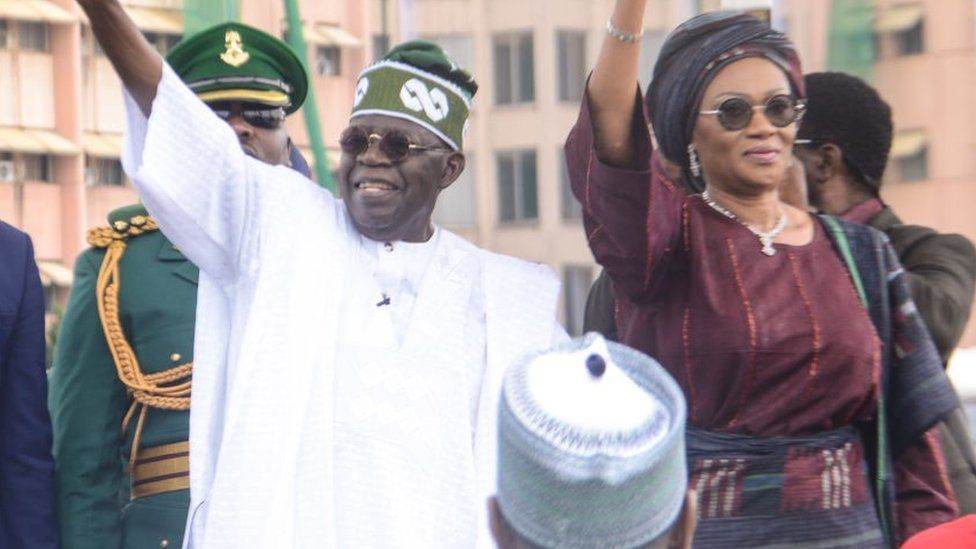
x=924, y=496
x=632, y=217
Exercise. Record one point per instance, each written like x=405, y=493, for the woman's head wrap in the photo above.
x=691, y=56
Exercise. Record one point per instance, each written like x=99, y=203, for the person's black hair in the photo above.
x=846, y=111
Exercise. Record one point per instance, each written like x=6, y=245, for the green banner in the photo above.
x=850, y=43
x=201, y=14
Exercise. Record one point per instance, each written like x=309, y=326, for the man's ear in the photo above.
x=287, y=154
x=683, y=531
x=504, y=537
x=829, y=162
x=452, y=169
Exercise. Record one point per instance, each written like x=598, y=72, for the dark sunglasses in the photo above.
x=268, y=119
x=813, y=143
x=736, y=113
x=354, y=141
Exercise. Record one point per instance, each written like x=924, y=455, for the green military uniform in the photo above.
x=156, y=308
x=120, y=385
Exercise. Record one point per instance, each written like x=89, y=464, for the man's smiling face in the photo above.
x=392, y=198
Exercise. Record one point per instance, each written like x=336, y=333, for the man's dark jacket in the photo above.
x=941, y=271
x=27, y=515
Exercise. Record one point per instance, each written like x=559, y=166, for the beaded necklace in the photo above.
x=765, y=238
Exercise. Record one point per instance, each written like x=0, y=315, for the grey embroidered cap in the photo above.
x=591, y=448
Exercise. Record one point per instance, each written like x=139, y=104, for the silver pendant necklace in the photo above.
x=765, y=238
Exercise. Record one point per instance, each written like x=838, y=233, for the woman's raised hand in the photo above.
x=612, y=87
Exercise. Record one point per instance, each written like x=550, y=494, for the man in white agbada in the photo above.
x=349, y=354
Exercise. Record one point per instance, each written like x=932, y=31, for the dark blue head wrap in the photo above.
x=691, y=56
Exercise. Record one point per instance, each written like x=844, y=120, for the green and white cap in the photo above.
x=591, y=448
x=417, y=81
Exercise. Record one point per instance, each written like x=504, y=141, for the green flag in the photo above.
x=201, y=14
x=850, y=46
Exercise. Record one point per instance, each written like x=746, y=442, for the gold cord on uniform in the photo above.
x=167, y=390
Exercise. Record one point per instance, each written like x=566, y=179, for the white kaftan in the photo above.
x=322, y=416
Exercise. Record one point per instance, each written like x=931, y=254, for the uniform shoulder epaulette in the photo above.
x=101, y=237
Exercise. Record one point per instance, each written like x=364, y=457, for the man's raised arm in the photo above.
x=138, y=65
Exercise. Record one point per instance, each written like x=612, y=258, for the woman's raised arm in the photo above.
x=612, y=85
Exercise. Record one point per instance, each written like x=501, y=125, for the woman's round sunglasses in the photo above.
x=396, y=146
x=736, y=113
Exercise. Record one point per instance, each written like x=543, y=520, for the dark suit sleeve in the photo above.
x=600, y=315
x=87, y=405
x=27, y=469
x=941, y=271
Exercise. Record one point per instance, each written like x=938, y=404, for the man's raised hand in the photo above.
x=135, y=61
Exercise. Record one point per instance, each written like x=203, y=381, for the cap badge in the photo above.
x=234, y=55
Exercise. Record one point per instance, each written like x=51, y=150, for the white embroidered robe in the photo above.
x=315, y=420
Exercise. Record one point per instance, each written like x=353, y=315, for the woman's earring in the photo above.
x=693, y=163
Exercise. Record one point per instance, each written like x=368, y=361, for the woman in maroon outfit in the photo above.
x=749, y=302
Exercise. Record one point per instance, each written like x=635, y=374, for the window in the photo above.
x=37, y=167
x=577, y=280
x=161, y=42
x=650, y=48
x=104, y=172
x=381, y=44
x=4, y=32
x=518, y=198
x=569, y=207
x=33, y=36
x=8, y=169
x=909, y=155
x=327, y=60
x=571, y=64
x=456, y=204
x=458, y=47
x=514, y=69
x=914, y=167
x=900, y=30
x=910, y=41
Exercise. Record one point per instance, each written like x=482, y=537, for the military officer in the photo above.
x=120, y=385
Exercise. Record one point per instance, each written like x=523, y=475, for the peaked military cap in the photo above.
x=235, y=62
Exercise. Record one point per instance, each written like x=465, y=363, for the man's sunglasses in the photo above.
x=736, y=113
x=815, y=142
x=396, y=146
x=268, y=119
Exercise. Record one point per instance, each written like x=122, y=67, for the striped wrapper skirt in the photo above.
x=782, y=492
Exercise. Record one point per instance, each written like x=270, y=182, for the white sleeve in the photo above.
x=559, y=334
x=192, y=176
x=486, y=457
